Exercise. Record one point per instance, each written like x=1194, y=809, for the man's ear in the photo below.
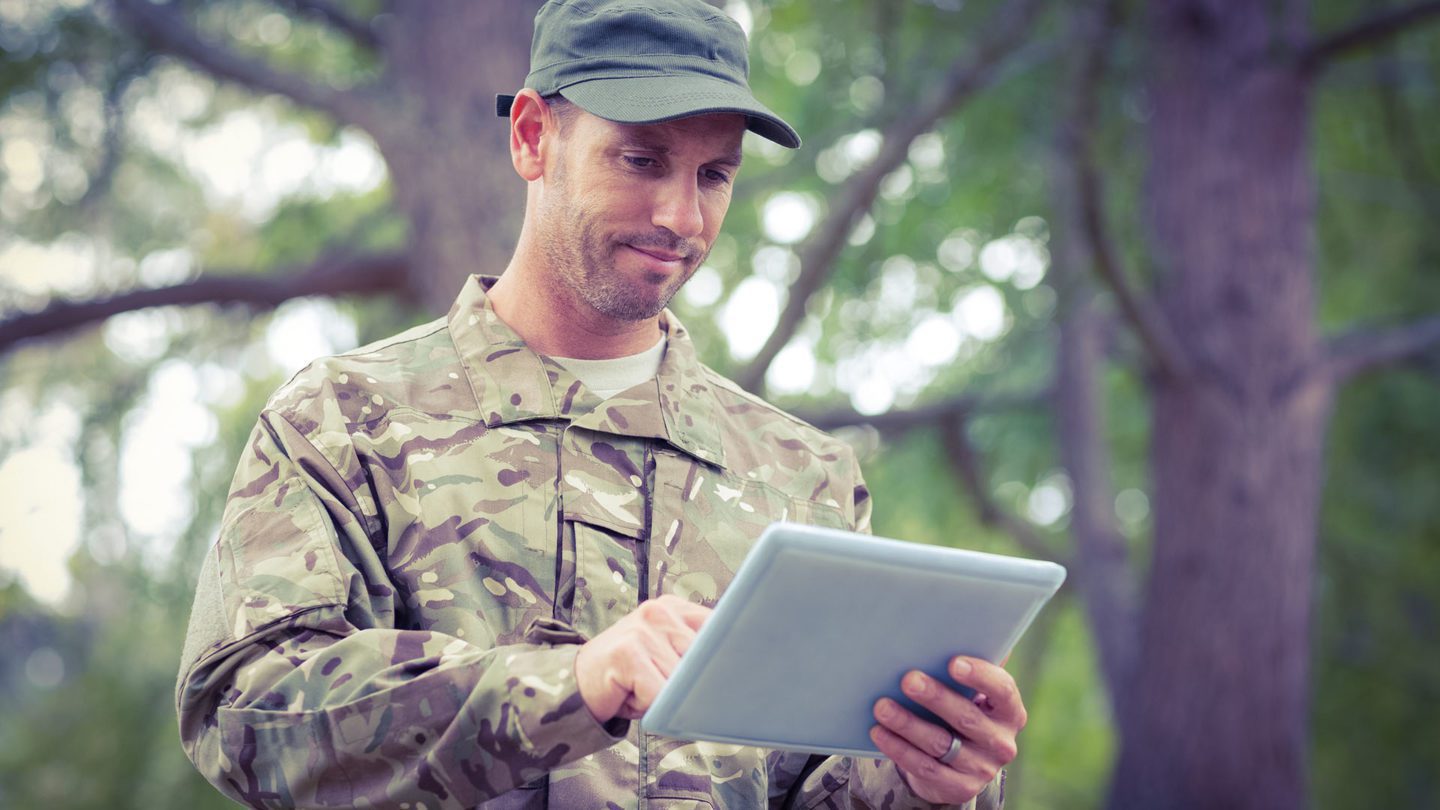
x=533, y=131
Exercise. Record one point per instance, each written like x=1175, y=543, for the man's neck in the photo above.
x=554, y=324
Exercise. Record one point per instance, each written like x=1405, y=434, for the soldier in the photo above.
x=456, y=564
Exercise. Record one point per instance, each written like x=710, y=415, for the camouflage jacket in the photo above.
x=420, y=532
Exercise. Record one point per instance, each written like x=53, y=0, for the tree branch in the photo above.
x=112, y=147
x=965, y=460
x=1078, y=142
x=327, y=13
x=895, y=422
x=1365, y=350
x=369, y=275
x=1370, y=31
x=967, y=76
x=1405, y=140
x=1160, y=343
x=950, y=416
x=163, y=27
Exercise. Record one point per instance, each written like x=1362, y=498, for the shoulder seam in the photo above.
x=396, y=339
x=361, y=351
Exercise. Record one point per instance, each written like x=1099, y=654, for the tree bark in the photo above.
x=1217, y=717
x=447, y=151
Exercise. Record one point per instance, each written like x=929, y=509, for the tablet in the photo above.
x=820, y=623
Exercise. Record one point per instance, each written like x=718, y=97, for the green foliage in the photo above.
x=916, y=496
x=1377, y=676
x=1070, y=740
x=105, y=736
x=363, y=223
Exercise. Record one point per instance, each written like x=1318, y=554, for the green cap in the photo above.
x=643, y=63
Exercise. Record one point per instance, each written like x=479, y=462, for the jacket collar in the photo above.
x=512, y=383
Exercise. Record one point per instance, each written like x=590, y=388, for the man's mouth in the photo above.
x=655, y=253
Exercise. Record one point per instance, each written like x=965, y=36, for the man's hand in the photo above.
x=621, y=670
x=987, y=725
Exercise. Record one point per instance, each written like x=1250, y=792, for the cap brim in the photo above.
x=653, y=99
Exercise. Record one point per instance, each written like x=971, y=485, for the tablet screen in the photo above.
x=820, y=623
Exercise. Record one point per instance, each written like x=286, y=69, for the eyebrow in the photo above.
x=732, y=159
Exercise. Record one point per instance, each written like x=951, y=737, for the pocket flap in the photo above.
x=603, y=487
x=275, y=563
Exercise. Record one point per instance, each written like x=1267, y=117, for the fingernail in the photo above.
x=918, y=684
x=960, y=667
x=886, y=710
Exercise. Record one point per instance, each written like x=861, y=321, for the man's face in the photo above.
x=630, y=211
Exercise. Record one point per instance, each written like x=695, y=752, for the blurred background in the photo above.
x=1149, y=289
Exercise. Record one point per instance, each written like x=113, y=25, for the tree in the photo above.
x=1241, y=406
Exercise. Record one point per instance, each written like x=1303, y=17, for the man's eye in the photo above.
x=638, y=162
x=716, y=176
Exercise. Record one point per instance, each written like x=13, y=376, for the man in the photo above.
x=457, y=564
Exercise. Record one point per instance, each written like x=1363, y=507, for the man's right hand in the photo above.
x=621, y=670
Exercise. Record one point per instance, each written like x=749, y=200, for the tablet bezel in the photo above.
x=1041, y=578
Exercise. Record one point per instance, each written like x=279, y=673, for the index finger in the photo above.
x=692, y=614
x=995, y=682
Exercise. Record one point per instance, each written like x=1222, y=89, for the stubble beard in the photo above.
x=584, y=263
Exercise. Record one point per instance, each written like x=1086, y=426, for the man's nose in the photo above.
x=677, y=208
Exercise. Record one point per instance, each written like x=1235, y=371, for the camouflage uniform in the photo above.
x=419, y=533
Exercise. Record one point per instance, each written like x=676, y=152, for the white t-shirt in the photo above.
x=606, y=378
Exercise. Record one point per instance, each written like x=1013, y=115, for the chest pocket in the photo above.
x=706, y=521
x=604, y=495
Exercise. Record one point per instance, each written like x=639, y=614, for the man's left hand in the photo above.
x=987, y=725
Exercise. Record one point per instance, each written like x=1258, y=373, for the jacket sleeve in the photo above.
x=853, y=783
x=296, y=688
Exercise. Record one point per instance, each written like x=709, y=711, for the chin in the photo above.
x=625, y=302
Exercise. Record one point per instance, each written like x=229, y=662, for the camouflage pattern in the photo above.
x=422, y=530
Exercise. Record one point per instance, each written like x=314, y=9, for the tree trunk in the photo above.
x=1218, y=713
x=447, y=151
